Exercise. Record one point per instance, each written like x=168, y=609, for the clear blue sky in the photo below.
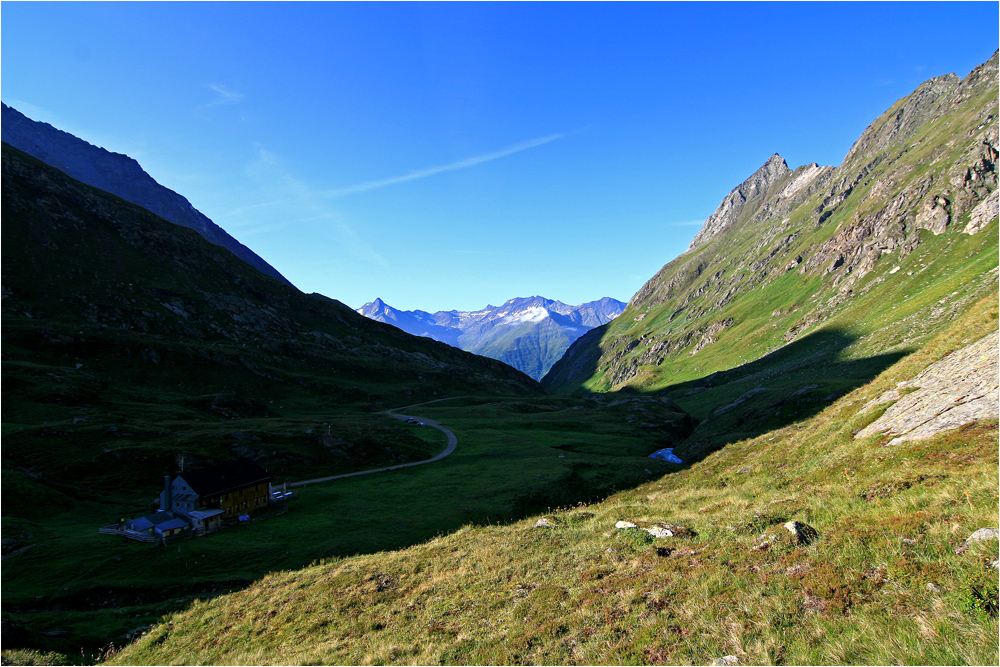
x=446, y=156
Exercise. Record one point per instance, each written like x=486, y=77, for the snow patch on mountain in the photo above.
x=529, y=333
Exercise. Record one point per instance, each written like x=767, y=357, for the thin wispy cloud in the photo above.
x=224, y=95
x=299, y=205
x=440, y=169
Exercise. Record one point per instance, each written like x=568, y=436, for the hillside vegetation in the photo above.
x=805, y=284
x=887, y=579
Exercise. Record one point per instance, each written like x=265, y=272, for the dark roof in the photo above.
x=225, y=477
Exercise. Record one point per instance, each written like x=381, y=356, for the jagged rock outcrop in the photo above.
x=747, y=194
x=957, y=390
x=120, y=175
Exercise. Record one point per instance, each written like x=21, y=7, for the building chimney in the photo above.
x=167, y=499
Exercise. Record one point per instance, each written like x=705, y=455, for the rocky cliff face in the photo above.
x=529, y=333
x=872, y=257
x=120, y=175
x=746, y=196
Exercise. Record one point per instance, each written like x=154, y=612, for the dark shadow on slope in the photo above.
x=786, y=386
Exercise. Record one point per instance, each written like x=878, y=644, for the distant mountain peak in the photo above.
x=529, y=333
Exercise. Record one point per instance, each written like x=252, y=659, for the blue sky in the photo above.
x=446, y=156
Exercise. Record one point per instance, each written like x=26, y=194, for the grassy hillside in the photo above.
x=822, y=280
x=515, y=456
x=887, y=579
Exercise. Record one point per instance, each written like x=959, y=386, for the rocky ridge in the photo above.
x=748, y=194
x=927, y=163
x=120, y=175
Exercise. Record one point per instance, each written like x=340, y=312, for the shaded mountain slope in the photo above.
x=529, y=333
x=119, y=175
x=116, y=321
x=807, y=283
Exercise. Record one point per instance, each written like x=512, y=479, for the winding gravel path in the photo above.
x=452, y=443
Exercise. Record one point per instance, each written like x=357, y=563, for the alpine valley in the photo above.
x=822, y=362
x=530, y=334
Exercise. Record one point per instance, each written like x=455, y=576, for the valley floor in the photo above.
x=892, y=574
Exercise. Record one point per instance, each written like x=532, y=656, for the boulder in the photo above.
x=933, y=215
x=983, y=535
x=725, y=660
x=802, y=533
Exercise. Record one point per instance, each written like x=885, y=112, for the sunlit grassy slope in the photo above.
x=882, y=584
x=838, y=268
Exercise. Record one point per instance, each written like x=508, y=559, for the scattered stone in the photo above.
x=983, y=535
x=802, y=533
x=545, y=522
x=659, y=532
x=764, y=542
x=933, y=588
x=725, y=660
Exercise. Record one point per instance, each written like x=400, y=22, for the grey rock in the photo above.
x=545, y=522
x=983, y=535
x=984, y=213
x=748, y=192
x=802, y=533
x=933, y=215
x=957, y=390
x=659, y=532
x=725, y=660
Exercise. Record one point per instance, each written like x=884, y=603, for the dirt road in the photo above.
x=452, y=443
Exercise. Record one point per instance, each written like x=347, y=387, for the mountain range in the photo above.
x=106, y=305
x=530, y=333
